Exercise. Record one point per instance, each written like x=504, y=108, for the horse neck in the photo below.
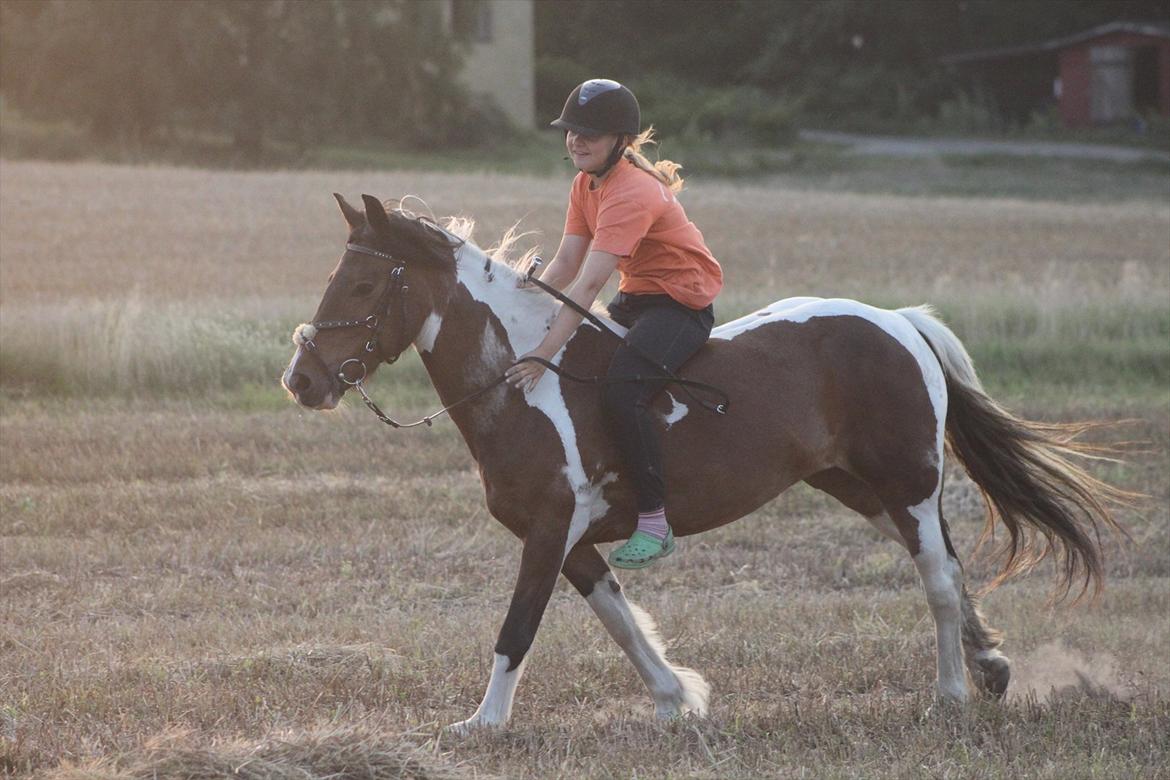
x=486, y=323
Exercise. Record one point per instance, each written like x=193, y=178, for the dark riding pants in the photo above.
x=670, y=333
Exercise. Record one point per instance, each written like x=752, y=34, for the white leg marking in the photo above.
x=943, y=580
x=676, y=690
x=496, y=707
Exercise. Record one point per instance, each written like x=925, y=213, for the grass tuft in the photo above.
x=354, y=754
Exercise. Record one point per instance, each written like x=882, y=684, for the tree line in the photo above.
x=303, y=72
x=835, y=62
x=309, y=72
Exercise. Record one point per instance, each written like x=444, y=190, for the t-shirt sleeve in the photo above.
x=575, y=224
x=621, y=226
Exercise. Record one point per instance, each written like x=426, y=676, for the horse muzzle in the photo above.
x=310, y=384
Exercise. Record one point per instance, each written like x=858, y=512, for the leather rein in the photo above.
x=396, y=287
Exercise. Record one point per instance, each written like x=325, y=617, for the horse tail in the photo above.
x=1026, y=472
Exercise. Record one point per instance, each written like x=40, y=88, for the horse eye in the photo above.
x=362, y=290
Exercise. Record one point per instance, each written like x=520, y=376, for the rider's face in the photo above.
x=589, y=152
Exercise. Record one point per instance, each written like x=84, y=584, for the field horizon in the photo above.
x=198, y=579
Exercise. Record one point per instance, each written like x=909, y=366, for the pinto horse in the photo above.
x=856, y=401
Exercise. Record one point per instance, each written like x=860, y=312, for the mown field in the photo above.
x=198, y=579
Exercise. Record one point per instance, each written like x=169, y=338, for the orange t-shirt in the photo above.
x=636, y=217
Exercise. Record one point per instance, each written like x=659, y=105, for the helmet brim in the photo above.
x=561, y=124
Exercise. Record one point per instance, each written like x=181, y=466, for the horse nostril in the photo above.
x=299, y=383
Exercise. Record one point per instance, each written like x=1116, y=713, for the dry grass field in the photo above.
x=198, y=579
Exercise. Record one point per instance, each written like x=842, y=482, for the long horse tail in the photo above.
x=1026, y=472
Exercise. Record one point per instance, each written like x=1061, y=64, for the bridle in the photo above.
x=397, y=288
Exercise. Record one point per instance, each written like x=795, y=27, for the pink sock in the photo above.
x=654, y=523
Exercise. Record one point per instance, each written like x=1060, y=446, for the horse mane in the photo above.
x=457, y=232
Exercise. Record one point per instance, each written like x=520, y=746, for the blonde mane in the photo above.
x=462, y=228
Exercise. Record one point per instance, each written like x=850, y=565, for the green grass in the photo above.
x=131, y=349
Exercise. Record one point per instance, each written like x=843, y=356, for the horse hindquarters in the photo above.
x=1028, y=483
x=888, y=394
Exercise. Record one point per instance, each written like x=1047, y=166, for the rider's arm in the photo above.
x=598, y=267
x=567, y=263
x=595, y=272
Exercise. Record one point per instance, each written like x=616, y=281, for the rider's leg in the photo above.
x=668, y=334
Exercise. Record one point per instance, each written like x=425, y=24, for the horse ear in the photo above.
x=354, y=218
x=376, y=214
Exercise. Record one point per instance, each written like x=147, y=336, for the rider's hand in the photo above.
x=524, y=376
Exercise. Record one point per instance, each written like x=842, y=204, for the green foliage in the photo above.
x=968, y=113
x=677, y=107
x=556, y=76
x=862, y=65
x=304, y=73
x=735, y=114
x=183, y=352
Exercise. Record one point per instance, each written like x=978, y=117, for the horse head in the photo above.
x=395, y=272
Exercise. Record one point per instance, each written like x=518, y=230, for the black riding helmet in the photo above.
x=600, y=106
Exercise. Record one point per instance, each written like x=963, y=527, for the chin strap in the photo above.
x=612, y=160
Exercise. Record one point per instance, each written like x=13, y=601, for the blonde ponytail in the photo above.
x=663, y=170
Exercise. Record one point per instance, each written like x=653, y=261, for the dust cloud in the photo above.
x=1054, y=669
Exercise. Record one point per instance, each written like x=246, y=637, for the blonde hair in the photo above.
x=663, y=170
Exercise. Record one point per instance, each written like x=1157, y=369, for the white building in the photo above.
x=500, y=65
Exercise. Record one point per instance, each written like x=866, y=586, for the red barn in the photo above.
x=1110, y=73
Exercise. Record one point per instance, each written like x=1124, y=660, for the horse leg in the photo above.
x=534, y=586
x=925, y=536
x=988, y=667
x=859, y=497
x=676, y=690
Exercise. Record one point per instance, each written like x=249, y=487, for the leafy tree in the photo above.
x=302, y=71
x=836, y=58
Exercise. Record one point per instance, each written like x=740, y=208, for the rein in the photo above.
x=668, y=376
x=396, y=286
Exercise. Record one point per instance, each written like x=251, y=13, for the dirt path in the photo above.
x=896, y=146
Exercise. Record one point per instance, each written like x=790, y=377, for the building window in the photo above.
x=472, y=20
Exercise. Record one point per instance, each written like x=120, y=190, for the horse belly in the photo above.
x=807, y=394
x=774, y=434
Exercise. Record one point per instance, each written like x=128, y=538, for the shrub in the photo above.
x=677, y=107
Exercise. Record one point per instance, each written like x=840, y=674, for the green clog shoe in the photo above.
x=641, y=550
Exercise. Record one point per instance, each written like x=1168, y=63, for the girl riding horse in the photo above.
x=623, y=215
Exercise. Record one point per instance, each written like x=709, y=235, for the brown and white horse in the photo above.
x=856, y=401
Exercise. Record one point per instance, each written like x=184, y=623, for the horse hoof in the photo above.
x=997, y=673
x=467, y=727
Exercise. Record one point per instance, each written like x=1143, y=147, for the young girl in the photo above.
x=623, y=215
